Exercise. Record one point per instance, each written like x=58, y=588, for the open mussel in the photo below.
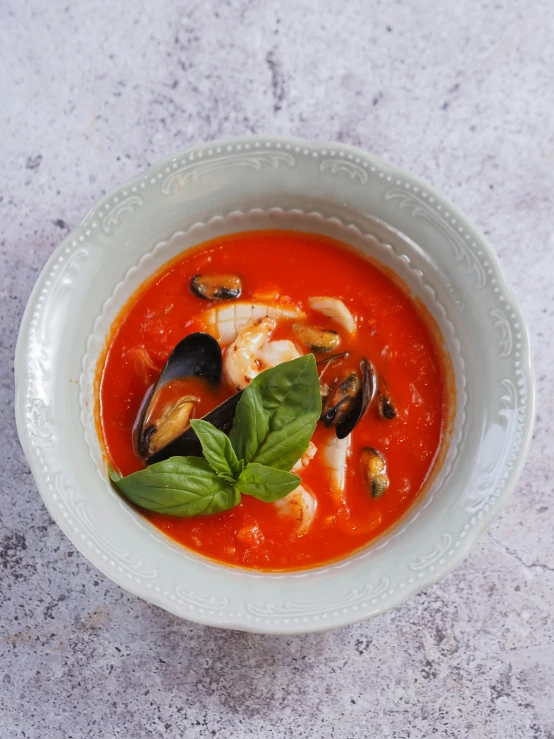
x=216, y=287
x=374, y=469
x=163, y=428
x=347, y=401
x=172, y=419
x=340, y=399
x=187, y=443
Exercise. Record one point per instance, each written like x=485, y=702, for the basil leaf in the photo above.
x=179, y=486
x=277, y=414
x=285, y=445
x=226, y=478
x=250, y=425
x=266, y=483
x=217, y=449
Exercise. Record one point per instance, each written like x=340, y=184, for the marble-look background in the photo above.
x=461, y=93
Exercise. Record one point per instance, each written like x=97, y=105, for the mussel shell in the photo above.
x=361, y=401
x=386, y=408
x=340, y=399
x=197, y=355
x=318, y=340
x=187, y=444
x=216, y=287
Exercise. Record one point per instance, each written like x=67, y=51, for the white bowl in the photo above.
x=274, y=182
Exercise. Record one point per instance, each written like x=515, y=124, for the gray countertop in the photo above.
x=461, y=93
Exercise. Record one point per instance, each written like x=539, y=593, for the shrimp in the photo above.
x=335, y=456
x=305, y=459
x=301, y=505
x=241, y=363
x=251, y=352
x=276, y=352
x=225, y=322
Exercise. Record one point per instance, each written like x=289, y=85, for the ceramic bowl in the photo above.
x=256, y=183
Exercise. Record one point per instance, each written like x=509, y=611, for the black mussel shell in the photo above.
x=352, y=409
x=199, y=355
x=386, y=408
x=361, y=402
x=187, y=444
x=340, y=400
x=216, y=287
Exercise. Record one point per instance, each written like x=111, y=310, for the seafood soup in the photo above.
x=322, y=389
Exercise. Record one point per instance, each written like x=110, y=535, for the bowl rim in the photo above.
x=526, y=366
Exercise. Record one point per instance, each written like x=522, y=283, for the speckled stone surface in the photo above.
x=462, y=94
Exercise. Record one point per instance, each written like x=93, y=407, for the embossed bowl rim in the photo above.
x=47, y=415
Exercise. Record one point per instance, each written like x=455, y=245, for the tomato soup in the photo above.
x=404, y=423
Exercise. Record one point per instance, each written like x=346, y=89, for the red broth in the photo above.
x=393, y=333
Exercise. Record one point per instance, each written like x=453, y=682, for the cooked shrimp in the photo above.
x=334, y=308
x=305, y=459
x=251, y=352
x=241, y=363
x=335, y=456
x=225, y=322
x=301, y=505
x=276, y=352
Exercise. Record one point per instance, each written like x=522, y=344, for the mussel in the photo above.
x=172, y=419
x=375, y=471
x=163, y=429
x=216, y=287
x=348, y=400
x=340, y=399
x=385, y=407
x=318, y=340
x=187, y=443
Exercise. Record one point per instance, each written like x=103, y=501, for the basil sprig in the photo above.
x=274, y=422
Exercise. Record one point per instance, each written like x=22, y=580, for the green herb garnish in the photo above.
x=274, y=422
